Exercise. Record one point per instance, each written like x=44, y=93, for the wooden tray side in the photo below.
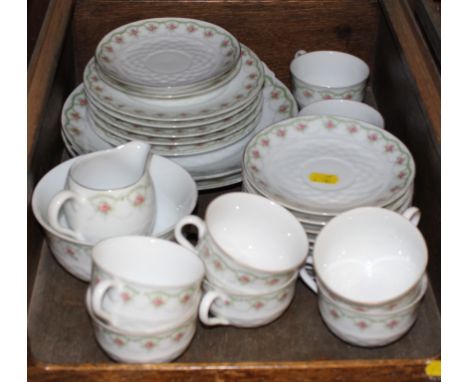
x=275, y=30
x=401, y=100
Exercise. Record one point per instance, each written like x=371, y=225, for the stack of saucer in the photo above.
x=186, y=87
x=320, y=166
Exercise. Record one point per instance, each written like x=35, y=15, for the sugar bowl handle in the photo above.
x=189, y=220
x=204, y=309
x=306, y=276
x=53, y=212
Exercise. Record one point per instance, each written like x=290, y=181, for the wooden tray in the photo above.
x=405, y=87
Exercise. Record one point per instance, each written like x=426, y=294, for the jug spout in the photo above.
x=133, y=156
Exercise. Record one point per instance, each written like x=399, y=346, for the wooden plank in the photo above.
x=275, y=30
x=317, y=371
x=418, y=58
x=43, y=64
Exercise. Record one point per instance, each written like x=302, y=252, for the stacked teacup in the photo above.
x=143, y=298
x=252, y=249
x=370, y=277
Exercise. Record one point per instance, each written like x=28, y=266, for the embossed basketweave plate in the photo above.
x=167, y=53
x=240, y=91
x=326, y=163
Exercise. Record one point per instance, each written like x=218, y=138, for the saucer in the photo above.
x=167, y=53
x=242, y=89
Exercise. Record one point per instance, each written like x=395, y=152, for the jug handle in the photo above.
x=55, y=206
x=189, y=220
x=204, y=309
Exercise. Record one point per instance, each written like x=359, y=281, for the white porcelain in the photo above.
x=323, y=75
x=163, y=344
x=180, y=146
x=107, y=193
x=172, y=93
x=178, y=129
x=218, y=182
x=139, y=282
x=368, y=329
x=326, y=165
x=278, y=104
x=242, y=89
x=176, y=197
x=223, y=306
x=370, y=256
x=247, y=242
x=167, y=53
x=345, y=108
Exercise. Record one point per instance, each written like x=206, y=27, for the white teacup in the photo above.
x=223, y=306
x=370, y=257
x=107, y=193
x=368, y=328
x=322, y=75
x=139, y=283
x=247, y=242
x=345, y=108
x=162, y=344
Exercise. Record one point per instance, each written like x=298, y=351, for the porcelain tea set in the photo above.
x=172, y=106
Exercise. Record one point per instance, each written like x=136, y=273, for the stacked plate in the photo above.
x=186, y=87
x=321, y=166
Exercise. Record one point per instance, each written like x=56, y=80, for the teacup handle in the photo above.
x=308, y=279
x=97, y=295
x=204, y=309
x=189, y=220
x=300, y=53
x=55, y=206
x=413, y=214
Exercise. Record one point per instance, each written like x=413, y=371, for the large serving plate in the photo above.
x=328, y=164
x=240, y=91
x=167, y=53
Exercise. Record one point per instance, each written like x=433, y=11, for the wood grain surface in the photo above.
x=275, y=30
x=43, y=64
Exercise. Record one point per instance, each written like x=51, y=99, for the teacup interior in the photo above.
x=257, y=232
x=148, y=261
x=330, y=69
x=370, y=255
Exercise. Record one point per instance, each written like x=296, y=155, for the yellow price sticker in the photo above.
x=323, y=178
x=433, y=369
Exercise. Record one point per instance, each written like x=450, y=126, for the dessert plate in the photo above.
x=167, y=52
x=176, y=131
x=278, y=104
x=178, y=146
x=328, y=164
x=242, y=89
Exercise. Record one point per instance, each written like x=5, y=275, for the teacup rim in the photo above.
x=422, y=284
x=151, y=239
x=334, y=52
x=280, y=208
x=384, y=211
x=244, y=293
x=192, y=314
